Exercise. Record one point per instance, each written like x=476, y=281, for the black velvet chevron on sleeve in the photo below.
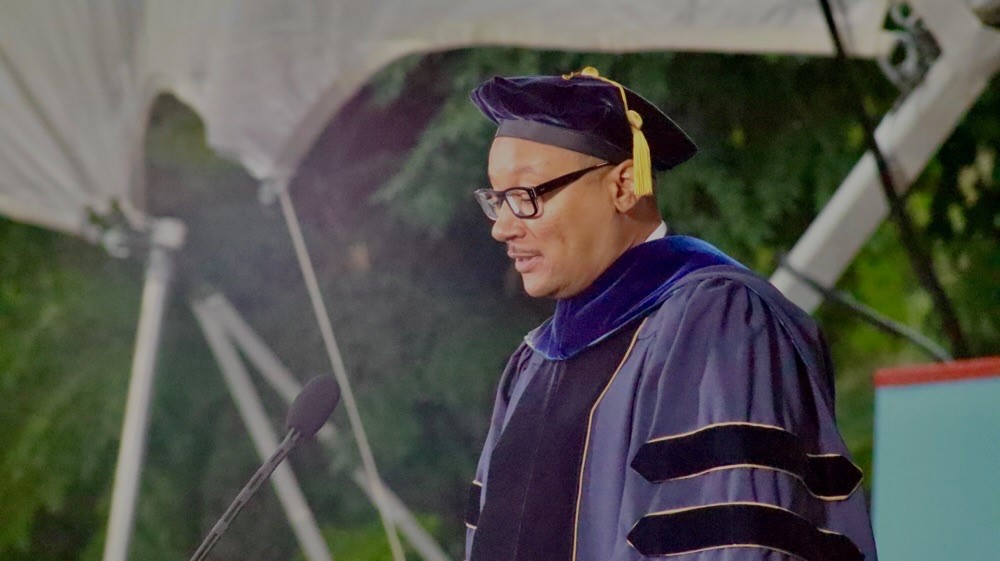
x=733, y=445
x=472, y=505
x=739, y=525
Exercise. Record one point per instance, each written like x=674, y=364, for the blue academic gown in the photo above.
x=679, y=407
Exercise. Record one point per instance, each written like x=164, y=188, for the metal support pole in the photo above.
x=910, y=135
x=284, y=383
x=262, y=433
x=873, y=317
x=166, y=238
x=340, y=372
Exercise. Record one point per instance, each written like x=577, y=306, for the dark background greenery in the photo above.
x=424, y=304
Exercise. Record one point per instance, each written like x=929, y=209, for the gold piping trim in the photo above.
x=676, y=510
x=756, y=545
x=737, y=466
x=771, y=468
x=586, y=441
x=744, y=503
x=713, y=425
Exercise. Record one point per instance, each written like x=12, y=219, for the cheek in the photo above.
x=566, y=235
x=547, y=236
x=581, y=225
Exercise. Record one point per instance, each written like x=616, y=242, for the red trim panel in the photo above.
x=941, y=372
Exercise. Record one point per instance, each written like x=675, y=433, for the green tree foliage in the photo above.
x=65, y=345
x=367, y=541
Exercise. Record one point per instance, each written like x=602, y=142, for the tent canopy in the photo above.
x=76, y=83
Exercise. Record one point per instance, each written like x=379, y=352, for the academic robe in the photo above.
x=679, y=406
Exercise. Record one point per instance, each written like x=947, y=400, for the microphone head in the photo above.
x=313, y=406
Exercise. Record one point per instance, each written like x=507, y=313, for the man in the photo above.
x=675, y=404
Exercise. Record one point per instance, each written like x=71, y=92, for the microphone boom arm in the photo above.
x=263, y=473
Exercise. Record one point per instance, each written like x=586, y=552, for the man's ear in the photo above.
x=623, y=187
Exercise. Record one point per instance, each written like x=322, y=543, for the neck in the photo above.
x=645, y=218
x=630, y=288
x=643, y=229
x=648, y=231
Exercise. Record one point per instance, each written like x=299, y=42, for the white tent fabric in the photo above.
x=77, y=78
x=70, y=120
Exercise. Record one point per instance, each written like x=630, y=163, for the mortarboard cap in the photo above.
x=587, y=113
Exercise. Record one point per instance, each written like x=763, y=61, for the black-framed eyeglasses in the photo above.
x=525, y=202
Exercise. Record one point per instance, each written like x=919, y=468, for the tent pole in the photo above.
x=339, y=369
x=910, y=135
x=284, y=383
x=297, y=510
x=166, y=238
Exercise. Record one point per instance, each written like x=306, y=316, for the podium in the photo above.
x=936, y=486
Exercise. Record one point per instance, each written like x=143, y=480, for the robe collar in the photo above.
x=632, y=287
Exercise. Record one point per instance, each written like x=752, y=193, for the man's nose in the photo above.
x=507, y=226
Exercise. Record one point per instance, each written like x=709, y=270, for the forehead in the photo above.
x=515, y=156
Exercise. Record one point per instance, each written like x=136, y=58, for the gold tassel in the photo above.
x=642, y=164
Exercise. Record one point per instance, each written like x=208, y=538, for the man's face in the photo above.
x=571, y=241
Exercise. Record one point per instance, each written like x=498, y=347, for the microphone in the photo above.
x=310, y=410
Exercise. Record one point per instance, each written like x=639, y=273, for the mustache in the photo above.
x=514, y=252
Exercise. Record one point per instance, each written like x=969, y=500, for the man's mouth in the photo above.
x=525, y=261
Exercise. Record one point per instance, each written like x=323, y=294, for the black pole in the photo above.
x=873, y=317
x=920, y=256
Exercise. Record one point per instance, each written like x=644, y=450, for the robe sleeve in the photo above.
x=734, y=453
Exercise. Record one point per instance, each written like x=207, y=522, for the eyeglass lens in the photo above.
x=520, y=200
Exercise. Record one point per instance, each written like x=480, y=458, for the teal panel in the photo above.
x=936, y=486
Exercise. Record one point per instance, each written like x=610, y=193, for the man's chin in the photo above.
x=535, y=287
x=534, y=293
x=539, y=288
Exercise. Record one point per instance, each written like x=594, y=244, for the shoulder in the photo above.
x=718, y=287
x=733, y=301
x=736, y=318
x=709, y=283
